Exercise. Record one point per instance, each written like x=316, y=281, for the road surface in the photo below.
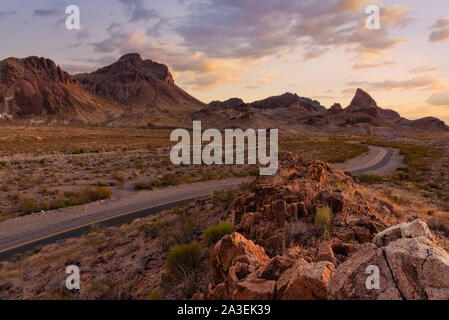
x=379, y=160
x=22, y=234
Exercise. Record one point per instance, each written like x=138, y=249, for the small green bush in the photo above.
x=212, y=234
x=183, y=260
x=323, y=218
x=3, y=164
x=154, y=295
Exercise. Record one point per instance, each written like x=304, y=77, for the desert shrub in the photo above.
x=440, y=225
x=76, y=198
x=93, y=228
x=214, y=233
x=180, y=231
x=120, y=180
x=38, y=248
x=210, y=176
x=154, y=295
x=323, y=219
x=184, y=260
x=78, y=151
x=370, y=178
x=3, y=164
x=169, y=179
x=29, y=205
x=98, y=193
x=151, y=230
x=224, y=197
x=101, y=183
x=17, y=257
x=142, y=185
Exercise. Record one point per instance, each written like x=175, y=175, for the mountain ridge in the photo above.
x=137, y=92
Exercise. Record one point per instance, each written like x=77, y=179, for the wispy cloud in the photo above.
x=367, y=65
x=423, y=83
x=136, y=11
x=5, y=14
x=425, y=69
x=226, y=29
x=440, y=31
x=47, y=12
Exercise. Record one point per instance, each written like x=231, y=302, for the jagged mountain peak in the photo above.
x=362, y=100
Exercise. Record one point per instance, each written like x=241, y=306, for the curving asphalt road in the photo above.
x=379, y=160
x=22, y=234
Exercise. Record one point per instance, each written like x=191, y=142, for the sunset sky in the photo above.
x=252, y=49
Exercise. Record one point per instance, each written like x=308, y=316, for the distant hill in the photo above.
x=137, y=92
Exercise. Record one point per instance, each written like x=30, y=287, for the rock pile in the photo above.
x=278, y=251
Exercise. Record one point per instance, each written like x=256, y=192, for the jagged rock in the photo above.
x=336, y=108
x=420, y=268
x=277, y=266
x=257, y=289
x=233, y=248
x=325, y=253
x=275, y=244
x=416, y=228
x=349, y=280
x=309, y=281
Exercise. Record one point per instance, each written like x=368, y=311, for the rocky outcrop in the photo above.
x=419, y=267
x=410, y=266
x=414, y=229
x=280, y=252
x=235, y=249
x=335, y=108
x=308, y=281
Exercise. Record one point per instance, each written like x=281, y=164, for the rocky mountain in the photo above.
x=137, y=92
x=364, y=116
x=290, y=112
x=289, y=100
x=146, y=89
x=37, y=89
x=130, y=92
x=233, y=102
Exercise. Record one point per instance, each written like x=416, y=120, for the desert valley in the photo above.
x=74, y=145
